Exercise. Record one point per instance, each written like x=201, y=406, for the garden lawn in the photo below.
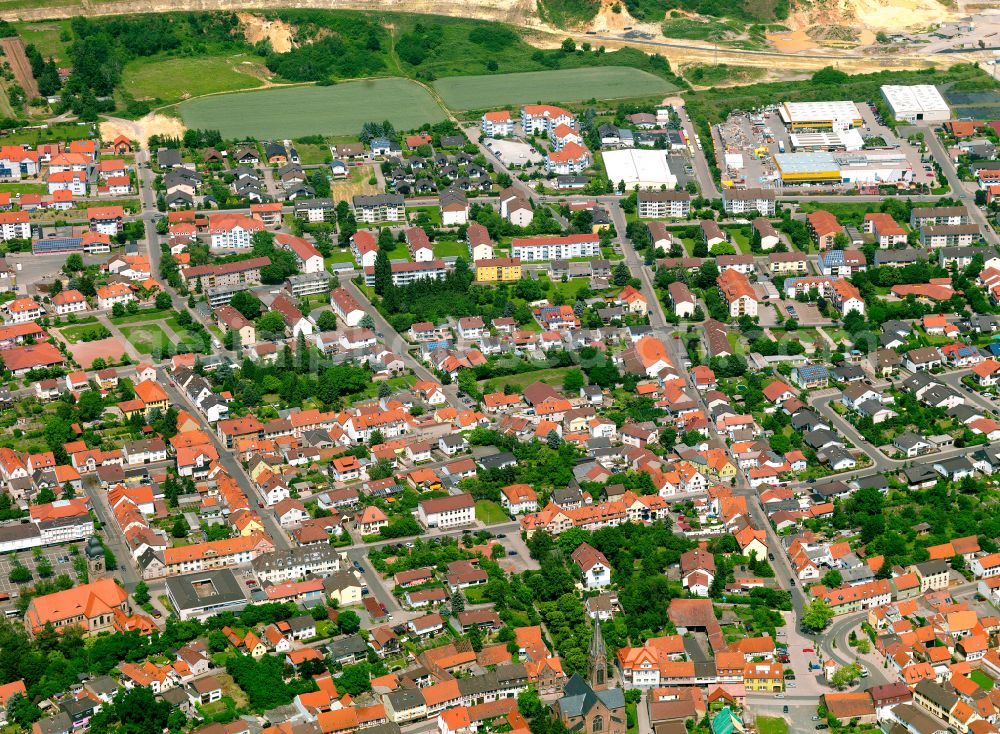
x=984, y=681
x=450, y=248
x=24, y=188
x=339, y=256
x=399, y=252
x=558, y=85
x=335, y=110
x=771, y=725
x=174, y=79
x=146, y=337
x=553, y=376
x=312, y=154
x=138, y=318
x=490, y=513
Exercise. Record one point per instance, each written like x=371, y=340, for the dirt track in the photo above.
x=517, y=12
x=521, y=13
x=13, y=49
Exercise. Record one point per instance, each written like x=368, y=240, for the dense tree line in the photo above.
x=102, y=47
x=346, y=45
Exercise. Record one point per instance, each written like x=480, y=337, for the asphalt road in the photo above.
x=113, y=537
x=228, y=461
x=958, y=187
x=399, y=345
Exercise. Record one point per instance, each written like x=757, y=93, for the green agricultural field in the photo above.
x=173, y=79
x=562, y=85
x=295, y=112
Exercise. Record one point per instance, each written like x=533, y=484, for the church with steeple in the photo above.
x=588, y=706
x=598, y=660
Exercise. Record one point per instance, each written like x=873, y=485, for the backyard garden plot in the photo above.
x=563, y=85
x=299, y=111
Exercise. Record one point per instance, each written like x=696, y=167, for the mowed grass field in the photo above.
x=290, y=113
x=46, y=36
x=558, y=85
x=171, y=80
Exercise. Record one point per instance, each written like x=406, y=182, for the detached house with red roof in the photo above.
x=595, y=569
x=518, y=498
x=69, y=301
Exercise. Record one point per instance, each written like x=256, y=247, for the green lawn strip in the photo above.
x=553, y=376
x=24, y=188
x=771, y=725
x=490, y=513
x=451, y=248
x=141, y=316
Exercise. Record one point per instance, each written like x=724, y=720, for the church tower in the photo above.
x=598, y=655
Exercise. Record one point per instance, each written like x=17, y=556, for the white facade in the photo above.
x=556, y=248
x=235, y=237
x=917, y=102
x=639, y=168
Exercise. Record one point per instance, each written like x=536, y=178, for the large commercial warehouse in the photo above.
x=820, y=115
x=851, y=167
x=918, y=102
x=841, y=139
x=816, y=167
x=642, y=169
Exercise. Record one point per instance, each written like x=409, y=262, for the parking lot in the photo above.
x=60, y=558
x=513, y=152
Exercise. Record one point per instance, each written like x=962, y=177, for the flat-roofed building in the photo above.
x=825, y=115
x=916, y=102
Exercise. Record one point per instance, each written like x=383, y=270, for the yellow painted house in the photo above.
x=498, y=270
x=764, y=677
x=152, y=396
x=253, y=645
x=248, y=523
x=344, y=590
